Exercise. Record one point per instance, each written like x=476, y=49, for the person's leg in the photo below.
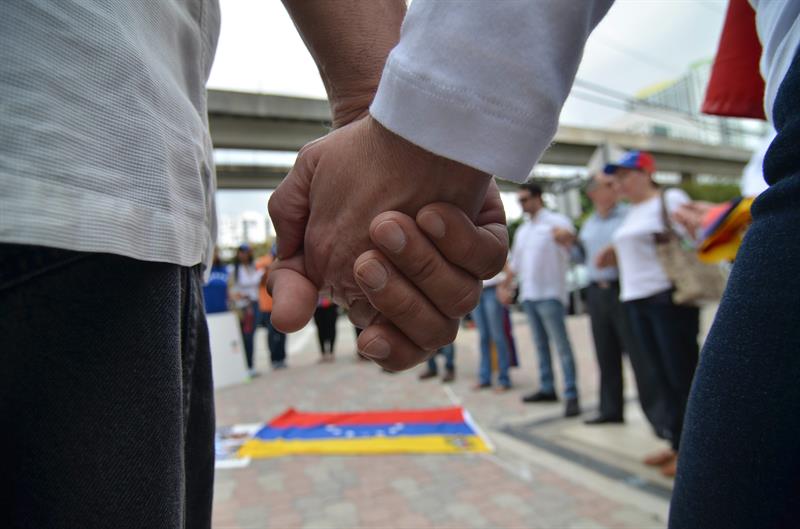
x=433, y=369
x=675, y=328
x=662, y=408
x=495, y=316
x=247, y=325
x=108, y=358
x=542, y=341
x=319, y=322
x=739, y=463
x=449, y=353
x=553, y=317
x=608, y=348
x=479, y=316
x=333, y=315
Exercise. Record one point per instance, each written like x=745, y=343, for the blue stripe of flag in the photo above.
x=376, y=430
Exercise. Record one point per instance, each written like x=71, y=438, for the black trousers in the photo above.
x=325, y=319
x=740, y=462
x=667, y=342
x=106, y=395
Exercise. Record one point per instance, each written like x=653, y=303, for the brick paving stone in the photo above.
x=417, y=491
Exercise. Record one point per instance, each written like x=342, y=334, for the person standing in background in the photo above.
x=540, y=260
x=611, y=328
x=325, y=319
x=215, y=291
x=666, y=332
x=276, y=340
x=489, y=316
x=244, y=293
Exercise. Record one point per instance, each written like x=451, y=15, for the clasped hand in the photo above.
x=395, y=234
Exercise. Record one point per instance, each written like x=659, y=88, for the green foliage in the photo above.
x=711, y=192
x=512, y=229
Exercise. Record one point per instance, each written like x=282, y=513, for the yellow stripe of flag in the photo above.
x=422, y=444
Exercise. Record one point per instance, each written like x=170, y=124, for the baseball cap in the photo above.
x=633, y=160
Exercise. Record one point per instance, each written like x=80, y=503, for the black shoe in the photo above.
x=425, y=375
x=604, y=420
x=540, y=396
x=573, y=409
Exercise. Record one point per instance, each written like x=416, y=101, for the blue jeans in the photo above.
x=547, y=323
x=739, y=465
x=449, y=353
x=489, y=316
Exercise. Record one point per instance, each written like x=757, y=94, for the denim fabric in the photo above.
x=489, y=316
x=248, y=328
x=667, y=336
x=547, y=322
x=739, y=465
x=105, y=392
x=276, y=340
x=449, y=353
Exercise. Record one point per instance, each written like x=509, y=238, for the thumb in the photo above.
x=289, y=204
x=294, y=296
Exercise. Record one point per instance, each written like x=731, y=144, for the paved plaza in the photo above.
x=546, y=471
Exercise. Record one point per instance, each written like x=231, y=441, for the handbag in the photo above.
x=694, y=282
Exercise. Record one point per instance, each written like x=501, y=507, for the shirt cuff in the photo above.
x=452, y=124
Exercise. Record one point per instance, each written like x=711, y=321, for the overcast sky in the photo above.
x=639, y=43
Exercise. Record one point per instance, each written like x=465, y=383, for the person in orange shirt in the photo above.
x=276, y=340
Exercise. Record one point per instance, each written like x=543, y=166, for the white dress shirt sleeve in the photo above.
x=483, y=83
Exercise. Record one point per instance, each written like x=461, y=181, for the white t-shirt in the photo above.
x=247, y=282
x=641, y=274
x=539, y=262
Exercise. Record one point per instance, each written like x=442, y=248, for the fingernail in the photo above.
x=377, y=349
x=373, y=274
x=433, y=224
x=390, y=235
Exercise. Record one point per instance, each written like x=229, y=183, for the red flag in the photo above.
x=736, y=88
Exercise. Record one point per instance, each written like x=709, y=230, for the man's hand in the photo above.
x=606, y=258
x=563, y=236
x=322, y=213
x=444, y=255
x=692, y=214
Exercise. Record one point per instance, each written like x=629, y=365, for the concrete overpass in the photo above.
x=240, y=120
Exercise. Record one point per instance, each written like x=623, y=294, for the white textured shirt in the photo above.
x=104, y=143
x=538, y=261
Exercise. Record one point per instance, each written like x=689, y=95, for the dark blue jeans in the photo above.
x=449, y=353
x=106, y=396
x=739, y=465
x=276, y=340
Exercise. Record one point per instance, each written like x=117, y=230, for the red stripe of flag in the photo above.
x=292, y=418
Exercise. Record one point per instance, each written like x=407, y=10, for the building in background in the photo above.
x=672, y=109
x=247, y=227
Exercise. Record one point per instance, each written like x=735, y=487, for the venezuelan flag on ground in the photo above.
x=433, y=431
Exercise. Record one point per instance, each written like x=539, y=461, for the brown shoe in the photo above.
x=502, y=389
x=660, y=459
x=425, y=375
x=669, y=469
x=479, y=386
x=449, y=376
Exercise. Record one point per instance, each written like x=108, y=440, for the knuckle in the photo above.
x=444, y=335
x=425, y=269
x=466, y=300
x=407, y=307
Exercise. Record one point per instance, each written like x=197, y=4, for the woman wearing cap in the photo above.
x=667, y=332
x=244, y=293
